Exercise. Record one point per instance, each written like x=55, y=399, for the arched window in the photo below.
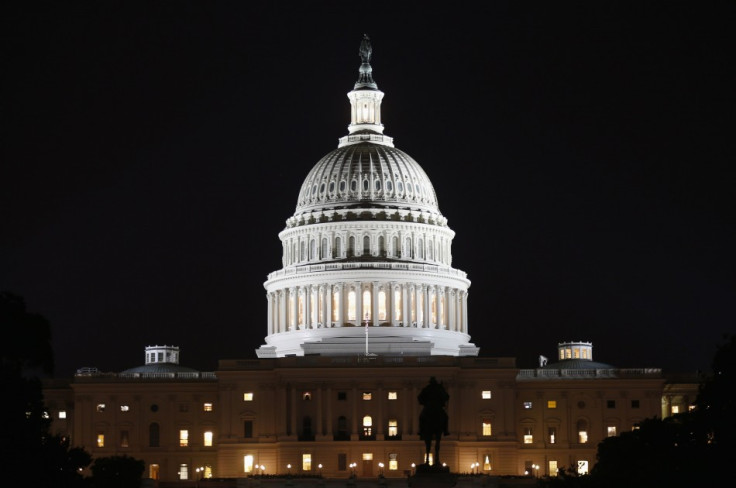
x=366, y=245
x=420, y=249
x=407, y=250
x=351, y=305
x=351, y=246
x=303, y=256
x=337, y=252
x=367, y=308
x=323, y=254
x=154, y=435
x=382, y=305
x=381, y=246
x=312, y=249
x=307, y=429
x=395, y=247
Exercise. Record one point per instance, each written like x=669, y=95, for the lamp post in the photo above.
x=319, y=466
x=288, y=469
x=380, y=469
x=413, y=468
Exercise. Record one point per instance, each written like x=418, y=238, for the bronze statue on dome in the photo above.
x=365, y=50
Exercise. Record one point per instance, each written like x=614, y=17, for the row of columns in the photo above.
x=320, y=306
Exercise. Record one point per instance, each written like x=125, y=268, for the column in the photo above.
x=271, y=325
x=294, y=299
x=465, y=312
x=374, y=303
x=307, y=307
x=358, y=303
x=318, y=430
x=392, y=304
x=451, y=310
x=292, y=411
x=328, y=306
x=405, y=317
x=328, y=412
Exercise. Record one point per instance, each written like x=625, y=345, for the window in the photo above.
x=675, y=409
x=367, y=395
x=100, y=439
x=208, y=439
x=393, y=461
x=183, y=438
x=392, y=395
x=367, y=426
x=487, y=462
x=44, y=414
x=342, y=396
x=528, y=437
x=248, y=463
x=552, y=434
x=248, y=429
x=611, y=430
x=393, y=427
x=342, y=461
x=248, y=397
x=552, y=468
x=100, y=407
x=207, y=407
x=183, y=407
x=62, y=414
x=367, y=456
x=527, y=405
x=306, y=462
x=153, y=471
x=183, y=472
x=634, y=403
x=485, y=394
x=582, y=466
x=486, y=427
x=307, y=396
x=124, y=408
x=610, y=403
x=551, y=403
x=153, y=435
x=582, y=431
x=124, y=438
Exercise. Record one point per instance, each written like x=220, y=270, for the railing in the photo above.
x=181, y=375
x=588, y=373
x=317, y=268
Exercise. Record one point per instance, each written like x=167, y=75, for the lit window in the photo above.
x=62, y=414
x=248, y=397
x=207, y=407
x=124, y=438
x=207, y=471
x=100, y=440
x=675, y=409
x=208, y=439
x=690, y=408
x=527, y=405
x=183, y=438
x=528, y=437
x=44, y=414
x=248, y=463
x=183, y=472
x=124, y=408
x=306, y=462
x=611, y=431
x=568, y=353
x=393, y=427
x=367, y=395
x=582, y=466
x=306, y=396
x=553, y=468
x=552, y=434
x=153, y=471
x=582, y=436
x=367, y=456
x=551, y=403
x=100, y=407
x=392, y=395
x=485, y=394
x=486, y=427
x=367, y=425
x=393, y=461
x=487, y=462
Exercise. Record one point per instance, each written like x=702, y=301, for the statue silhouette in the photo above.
x=433, y=420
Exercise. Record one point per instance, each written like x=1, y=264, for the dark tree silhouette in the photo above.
x=117, y=472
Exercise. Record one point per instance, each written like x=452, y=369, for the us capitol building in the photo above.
x=364, y=310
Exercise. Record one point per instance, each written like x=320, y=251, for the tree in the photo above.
x=117, y=472
x=34, y=457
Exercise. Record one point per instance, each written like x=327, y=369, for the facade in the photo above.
x=364, y=311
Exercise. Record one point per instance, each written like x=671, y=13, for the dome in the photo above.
x=367, y=175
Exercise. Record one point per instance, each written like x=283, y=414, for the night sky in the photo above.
x=583, y=152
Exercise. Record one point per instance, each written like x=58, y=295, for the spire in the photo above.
x=365, y=105
x=365, y=79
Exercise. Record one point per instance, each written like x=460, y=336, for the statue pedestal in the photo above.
x=427, y=476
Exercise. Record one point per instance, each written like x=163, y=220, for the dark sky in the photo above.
x=583, y=152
